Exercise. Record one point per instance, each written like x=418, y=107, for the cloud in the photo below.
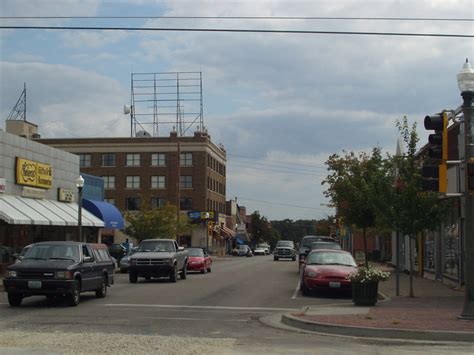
x=65, y=101
x=92, y=39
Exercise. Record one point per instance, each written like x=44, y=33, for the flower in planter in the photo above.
x=368, y=274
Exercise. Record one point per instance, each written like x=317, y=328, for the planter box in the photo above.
x=365, y=294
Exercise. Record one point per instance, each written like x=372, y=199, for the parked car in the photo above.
x=199, y=260
x=265, y=246
x=118, y=251
x=259, y=250
x=284, y=249
x=124, y=263
x=7, y=254
x=326, y=269
x=325, y=245
x=158, y=258
x=307, y=242
x=59, y=268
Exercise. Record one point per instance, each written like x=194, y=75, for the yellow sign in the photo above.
x=32, y=173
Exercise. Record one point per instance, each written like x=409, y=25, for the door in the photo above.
x=89, y=270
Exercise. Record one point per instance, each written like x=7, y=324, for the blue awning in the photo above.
x=105, y=211
x=239, y=241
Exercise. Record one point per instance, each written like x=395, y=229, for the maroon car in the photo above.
x=326, y=269
x=199, y=260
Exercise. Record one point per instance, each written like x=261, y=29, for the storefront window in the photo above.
x=430, y=248
x=451, y=250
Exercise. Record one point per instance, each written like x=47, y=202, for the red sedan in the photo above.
x=326, y=269
x=199, y=260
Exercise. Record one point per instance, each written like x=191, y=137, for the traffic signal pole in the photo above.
x=468, y=112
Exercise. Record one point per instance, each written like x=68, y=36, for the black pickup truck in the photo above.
x=158, y=258
x=59, y=268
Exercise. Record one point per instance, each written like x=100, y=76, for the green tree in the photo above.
x=158, y=222
x=261, y=229
x=350, y=185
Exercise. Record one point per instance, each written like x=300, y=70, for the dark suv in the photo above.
x=284, y=249
x=59, y=268
x=307, y=243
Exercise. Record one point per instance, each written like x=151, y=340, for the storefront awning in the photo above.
x=106, y=212
x=22, y=210
x=227, y=231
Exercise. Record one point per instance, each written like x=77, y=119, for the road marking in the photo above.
x=296, y=291
x=199, y=307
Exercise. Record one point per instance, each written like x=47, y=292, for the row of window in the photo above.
x=215, y=186
x=215, y=165
x=134, y=203
x=156, y=182
x=215, y=206
x=134, y=159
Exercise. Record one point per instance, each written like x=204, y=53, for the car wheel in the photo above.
x=275, y=258
x=148, y=278
x=184, y=272
x=209, y=269
x=75, y=297
x=204, y=270
x=102, y=291
x=304, y=290
x=15, y=299
x=133, y=277
x=174, y=274
x=293, y=258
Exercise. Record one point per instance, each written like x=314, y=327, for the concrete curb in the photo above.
x=366, y=332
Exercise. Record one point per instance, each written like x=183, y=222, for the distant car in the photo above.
x=266, y=247
x=118, y=251
x=242, y=250
x=284, y=249
x=326, y=269
x=260, y=251
x=307, y=242
x=325, y=245
x=124, y=263
x=199, y=260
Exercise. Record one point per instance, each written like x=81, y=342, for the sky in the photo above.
x=281, y=104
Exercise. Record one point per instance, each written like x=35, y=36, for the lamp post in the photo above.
x=80, y=185
x=207, y=215
x=466, y=85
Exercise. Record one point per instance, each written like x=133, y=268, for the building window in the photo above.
x=186, y=203
x=110, y=200
x=133, y=182
x=109, y=182
x=133, y=159
x=158, y=182
x=158, y=159
x=84, y=160
x=108, y=159
x=186, y=159
x=132, y=203
x=185, y=182
x=157, y=202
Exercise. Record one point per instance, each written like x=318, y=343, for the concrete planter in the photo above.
x=365, y=294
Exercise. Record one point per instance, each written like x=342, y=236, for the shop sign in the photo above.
x=32, y=192
x=65, y=195
x=3, y=185
x=32, y=173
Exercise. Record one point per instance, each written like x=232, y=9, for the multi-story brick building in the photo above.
x=140, y=170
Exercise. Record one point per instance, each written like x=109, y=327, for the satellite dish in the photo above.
x=126, y=109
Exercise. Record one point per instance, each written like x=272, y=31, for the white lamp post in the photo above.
x=466, y=85
x=80, y=185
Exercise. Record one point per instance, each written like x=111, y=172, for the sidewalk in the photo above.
x=430, y=315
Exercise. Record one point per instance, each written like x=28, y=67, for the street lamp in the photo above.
x=466, y=85
x=207, y=215
x=80, y=185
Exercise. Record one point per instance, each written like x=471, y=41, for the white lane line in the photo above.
x=296, y=291
x=199, y=307
x=202, y=319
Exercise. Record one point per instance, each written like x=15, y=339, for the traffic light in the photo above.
x=435, y=171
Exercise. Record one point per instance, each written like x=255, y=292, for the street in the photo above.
x=216, y=312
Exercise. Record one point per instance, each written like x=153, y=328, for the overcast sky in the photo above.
x=279, y=103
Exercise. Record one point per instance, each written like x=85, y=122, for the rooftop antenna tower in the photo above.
x=19, y=110
x=162, y=100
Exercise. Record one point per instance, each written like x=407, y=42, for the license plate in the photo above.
x=335, y=284
x=34, y=284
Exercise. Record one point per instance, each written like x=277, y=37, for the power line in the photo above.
x=230, y=30
x=279, y=161
x=292, y=168
x=277, y=171
x=281, y=204
x=239, y=18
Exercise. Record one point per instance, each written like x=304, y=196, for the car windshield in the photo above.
x=330, y=258
x=284, y=244
x=51, y=252
x=196, y=252
x=325, y=245
x=156, y=245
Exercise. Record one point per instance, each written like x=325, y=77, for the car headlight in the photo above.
x=312, y=274
x=64, y=275
x=11, y=274
x=168, y=261
x=133, y=261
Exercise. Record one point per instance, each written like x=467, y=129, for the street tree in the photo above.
x=160, y=222
x=350, y=185
x=398, y=197
x=261, y=228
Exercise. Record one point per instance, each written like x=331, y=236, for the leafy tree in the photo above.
x=349, y=187
x=261, y=228
x=158, y=222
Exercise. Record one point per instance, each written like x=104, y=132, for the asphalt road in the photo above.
x=217, y=312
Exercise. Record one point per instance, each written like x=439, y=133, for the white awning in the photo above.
x=22, y=210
